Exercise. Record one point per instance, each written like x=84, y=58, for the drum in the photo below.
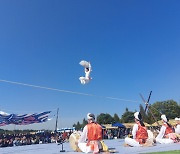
x=150, y=135
x=149, y=142
x=73, y=140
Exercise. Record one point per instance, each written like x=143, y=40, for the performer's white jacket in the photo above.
x=177, y=129
x=82, y=142
x=86, y=79
x=87, y=74
x=130, y=141
x=160, y=136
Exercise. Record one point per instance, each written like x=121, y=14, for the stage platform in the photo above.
x=53, y=148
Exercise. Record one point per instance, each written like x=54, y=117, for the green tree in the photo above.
x=84, y=123
x=170, y=108
x=77, y=126
x=144, y=115
x=127, y=116
x=105, y=118
x=127, y=109
x=116, y=118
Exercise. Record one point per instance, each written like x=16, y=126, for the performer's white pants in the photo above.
x=83, y=80
x=84, y=148
x=164, y=141
x=132, y=142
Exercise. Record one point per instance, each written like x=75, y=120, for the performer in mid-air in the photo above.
x=87, y=69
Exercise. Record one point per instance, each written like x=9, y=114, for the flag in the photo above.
x=24, y=119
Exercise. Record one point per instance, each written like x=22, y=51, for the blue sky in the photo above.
x=133, y=46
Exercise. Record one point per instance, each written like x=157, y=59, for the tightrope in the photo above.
x=65, y=91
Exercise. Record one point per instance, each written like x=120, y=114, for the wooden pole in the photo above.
x=147, y=106
x=57, y=120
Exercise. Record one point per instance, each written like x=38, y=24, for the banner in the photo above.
x=24, y=119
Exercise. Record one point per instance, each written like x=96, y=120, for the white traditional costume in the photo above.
x=87, y=68
x=139, y=133
x=177, y=128
x=164, y=136
x=91, y=136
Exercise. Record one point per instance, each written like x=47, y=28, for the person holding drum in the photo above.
x=166, y=134
x=139, y=132
x=91, y=136
x=177, y=127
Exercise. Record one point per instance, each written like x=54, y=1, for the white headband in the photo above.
x=136, y=115
x=163, y=117
x=177, y=119
x=90, y=116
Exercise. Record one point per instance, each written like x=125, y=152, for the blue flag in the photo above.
x=24, y=119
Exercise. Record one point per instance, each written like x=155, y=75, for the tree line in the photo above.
x=170, y=108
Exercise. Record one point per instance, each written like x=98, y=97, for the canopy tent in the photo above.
x=103, y=127
x=146, y=124
x=171, y=121
x=109, y=126
x=66, y=129
x=130, y=125
x=119, y=125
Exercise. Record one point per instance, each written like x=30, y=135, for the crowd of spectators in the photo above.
x=114, y=133
x=9, y=140
x=44, y=137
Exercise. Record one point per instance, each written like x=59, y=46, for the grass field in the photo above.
x=167, y=152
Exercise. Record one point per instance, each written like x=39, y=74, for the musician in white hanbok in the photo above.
x=91, y=136
x=177, y=127
x=139, y=132
x=166, y=134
